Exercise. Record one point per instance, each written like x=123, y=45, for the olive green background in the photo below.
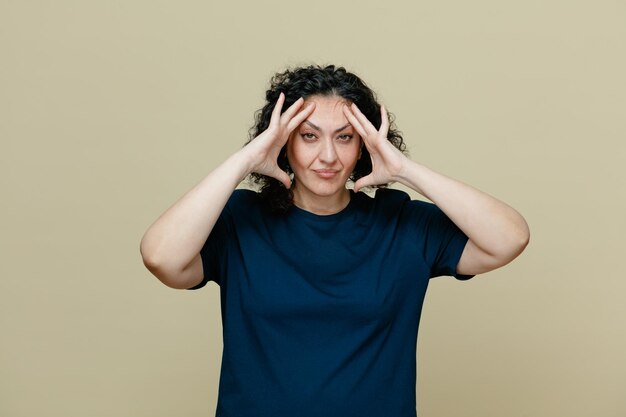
x=112, y=110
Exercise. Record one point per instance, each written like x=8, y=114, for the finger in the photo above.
x=367, y=125
x=365, y=136
x=384, y=125
x=363, y=182
x=300, y=117
x=288, y=114
x=353, y=121
x=277, y=108
x=282, y=176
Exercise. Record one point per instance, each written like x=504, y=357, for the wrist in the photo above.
x=410, y=174
x=242, y=162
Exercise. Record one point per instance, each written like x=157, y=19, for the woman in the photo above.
x=321, y=286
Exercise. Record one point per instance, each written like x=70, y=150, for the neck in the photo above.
x=322, y=205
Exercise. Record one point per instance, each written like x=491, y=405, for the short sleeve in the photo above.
x=213, y=252
x=443, y=241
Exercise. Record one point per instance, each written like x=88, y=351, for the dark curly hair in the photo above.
x=309, y=81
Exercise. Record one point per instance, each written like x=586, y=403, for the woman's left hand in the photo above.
x=388, y=162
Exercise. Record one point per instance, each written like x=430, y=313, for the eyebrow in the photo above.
x=317, y=127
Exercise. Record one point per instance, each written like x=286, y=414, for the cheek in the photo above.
x=296, y=153
x=351, y=154
x=292, y=147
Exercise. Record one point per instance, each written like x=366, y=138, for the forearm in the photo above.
x=177, y=236
x=493, y=226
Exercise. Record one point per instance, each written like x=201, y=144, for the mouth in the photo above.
x=326, y=173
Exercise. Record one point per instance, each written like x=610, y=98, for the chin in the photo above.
x=328, y=191
x=324, y=190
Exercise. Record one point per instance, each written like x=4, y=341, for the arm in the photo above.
x=497, y=233
x=170, y=248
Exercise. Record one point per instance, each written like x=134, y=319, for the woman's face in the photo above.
x=323, y=150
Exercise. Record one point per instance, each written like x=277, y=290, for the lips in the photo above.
x=326, y=173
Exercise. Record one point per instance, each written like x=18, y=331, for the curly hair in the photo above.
x=305, y=82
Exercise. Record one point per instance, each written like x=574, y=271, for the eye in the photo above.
x=308, y=136
x=345, y=138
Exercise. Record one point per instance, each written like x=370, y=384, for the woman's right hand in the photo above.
x=263, y=151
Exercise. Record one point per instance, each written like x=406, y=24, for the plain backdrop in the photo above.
x=111, y=110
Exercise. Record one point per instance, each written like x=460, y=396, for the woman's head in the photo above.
x=331, y=82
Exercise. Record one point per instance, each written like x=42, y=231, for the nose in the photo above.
x=328, y=154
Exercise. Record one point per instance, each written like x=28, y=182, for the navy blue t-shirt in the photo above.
x=320, y=313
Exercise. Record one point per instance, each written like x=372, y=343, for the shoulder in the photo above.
x=242, y=200
x=401, y=202
x=386, y=206
x=400, y=199
x=391, y=197
x=242, y=195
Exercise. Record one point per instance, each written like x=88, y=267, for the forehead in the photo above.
x=328, y=110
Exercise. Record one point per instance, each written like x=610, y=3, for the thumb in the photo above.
x=363, y=182
x=282, y=176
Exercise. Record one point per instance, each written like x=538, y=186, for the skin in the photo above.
x=170, y=248
x=322, y=153
x=497, y=233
